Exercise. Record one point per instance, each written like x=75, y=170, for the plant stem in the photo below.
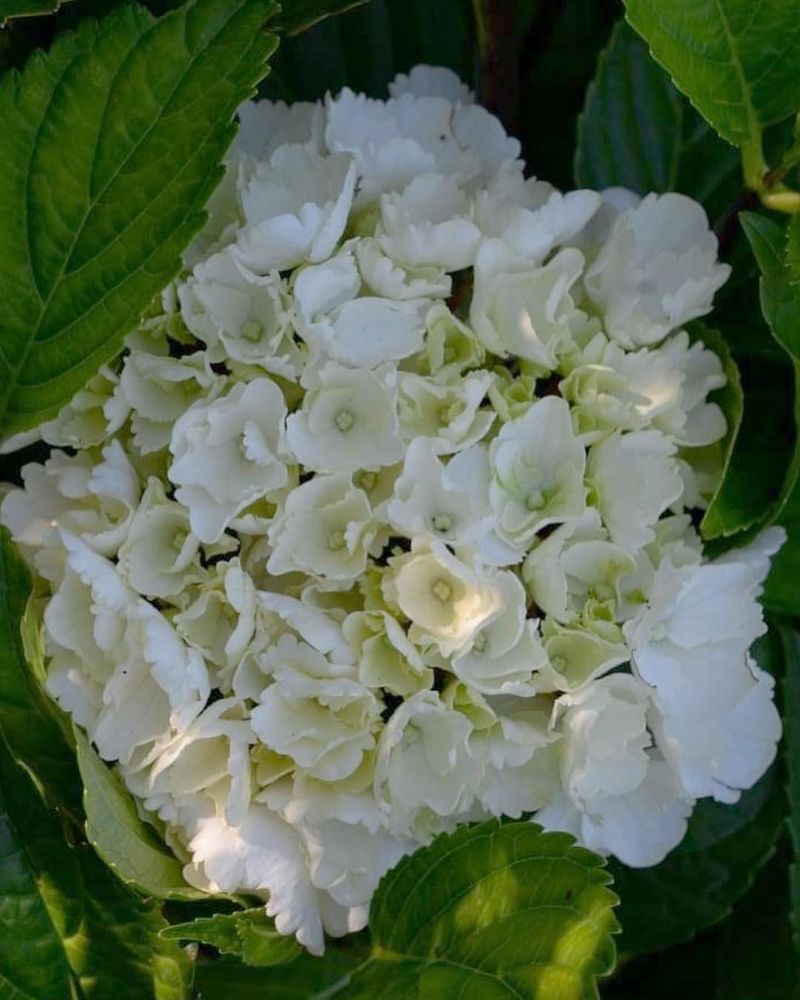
x=767, y=183
x=498, y=83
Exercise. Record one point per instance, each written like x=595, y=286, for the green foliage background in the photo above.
x=699, y=96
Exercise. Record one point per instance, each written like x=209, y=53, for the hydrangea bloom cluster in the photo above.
x=385, y=520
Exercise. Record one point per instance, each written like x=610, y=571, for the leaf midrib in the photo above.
x=736, y=63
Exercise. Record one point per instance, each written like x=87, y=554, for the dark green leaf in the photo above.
x=765, y=463
x=33, y=961
x=365, y=48
x=42, y=747
x=736, y=60
x=780, y=304
x=127, y=120
x=747, y=957
x=69, y=928
x=306, y=978
x=782, y=590
x=298, y=15
x=793, y=253
x=127, y=845
x=730, y=399
x=637, y=131
x=553, y=87
x=630, y=131
x=791, y=716
x=26, y=8
x=248, y=934
x=698, y=883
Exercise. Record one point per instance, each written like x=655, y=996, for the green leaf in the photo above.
x=749, y=956
x=630, y=131
x=497, y=908
x=793, y=253
x=779, y=303
x=698, y=883
x=637, y=131
x=69, y=928
x=127, y=121
x=791, y=721
x=306, y=978
x=730, y=399
x=122, y=839
x=365, y=48
x=782, y=589
x=42, y=747
x=26, y=8
x=248, y=934
x=764, y=466
x=299, y=15
x=492, y=911
x=736, y=60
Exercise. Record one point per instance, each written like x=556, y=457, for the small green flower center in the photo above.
x=345, y=420
x=449, y=412
x=442, y=590
x=336, y=540
x=442, y=522
x=252, y=331
x=534, y=500
x=366, y=480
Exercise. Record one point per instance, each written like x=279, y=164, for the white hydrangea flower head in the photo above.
x=384, y=519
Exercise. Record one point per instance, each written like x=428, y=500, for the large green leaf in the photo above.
x=698, y=883
x=114, y=828
x=42, y=746
x=248, y=934
x=637, y=131
x=791, y=716
x=112, y=145
x=491, y=912
x=736, y=60
x=69, y=928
